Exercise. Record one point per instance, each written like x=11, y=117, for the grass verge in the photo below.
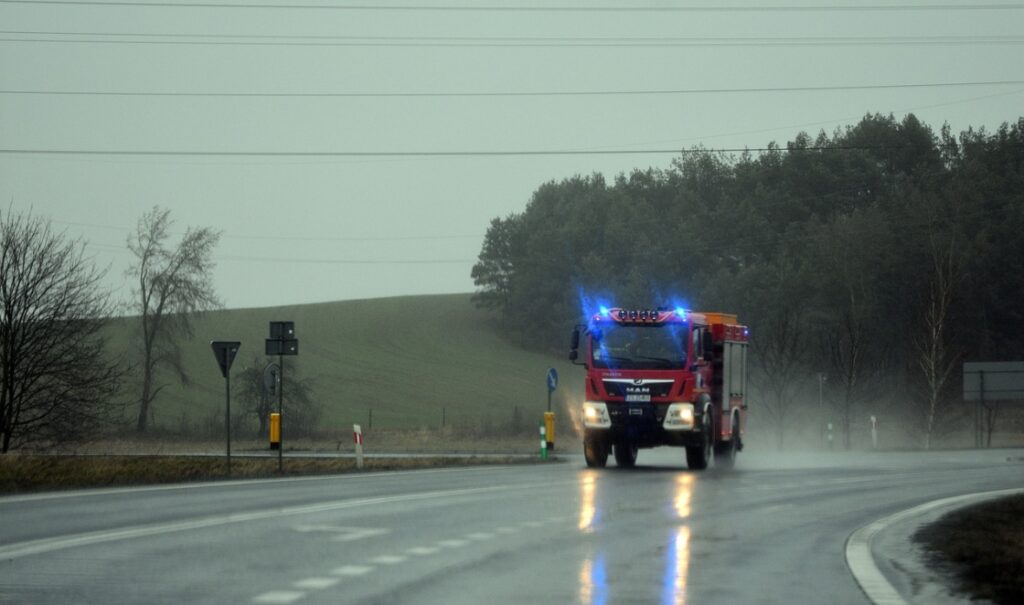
x=27, y=473
x=983, y=546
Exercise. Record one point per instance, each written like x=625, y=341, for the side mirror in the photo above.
x=575, y=339
x=574, y=355
x=708, y=346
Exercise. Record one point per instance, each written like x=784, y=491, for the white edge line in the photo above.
x=45, y=545
x=82, y=493
x=858, y=546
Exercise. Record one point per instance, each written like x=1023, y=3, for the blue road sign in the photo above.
x=552, y=379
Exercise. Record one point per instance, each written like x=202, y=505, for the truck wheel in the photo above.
x=725, y=453
x=697, y=457
x=595, y=451
x=625, y=454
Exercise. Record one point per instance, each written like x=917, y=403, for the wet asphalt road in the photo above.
x=771, y=531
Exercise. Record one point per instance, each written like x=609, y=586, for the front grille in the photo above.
x=619, y=389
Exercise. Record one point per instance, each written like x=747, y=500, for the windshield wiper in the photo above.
x=615, y=359
x=667, y=362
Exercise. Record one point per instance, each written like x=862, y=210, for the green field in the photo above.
x=404, y=358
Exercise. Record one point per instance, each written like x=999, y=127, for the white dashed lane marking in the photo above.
x=285, y=597
x=316, y=583
x=452, y=543
x=279, y=597
x=352, y=570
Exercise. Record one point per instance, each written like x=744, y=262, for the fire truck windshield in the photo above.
x=640, y=347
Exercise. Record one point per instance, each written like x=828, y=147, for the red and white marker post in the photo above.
x=357, y=437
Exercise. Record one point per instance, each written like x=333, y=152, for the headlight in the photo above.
x=679, y=416
x=595, y=415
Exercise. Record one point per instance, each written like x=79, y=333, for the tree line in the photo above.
x=869, y=263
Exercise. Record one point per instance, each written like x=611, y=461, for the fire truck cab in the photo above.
x=662, y=377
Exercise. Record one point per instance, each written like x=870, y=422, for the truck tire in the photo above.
x=697, y=457
x=625, y=454
x=595, y=451
x=725, y=455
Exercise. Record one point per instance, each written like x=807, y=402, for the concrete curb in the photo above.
x=859, y=558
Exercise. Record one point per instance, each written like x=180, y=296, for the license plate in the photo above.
x=638, y=397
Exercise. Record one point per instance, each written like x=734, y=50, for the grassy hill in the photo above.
x=405, y=358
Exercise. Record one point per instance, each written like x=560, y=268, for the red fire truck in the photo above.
x=663, y=376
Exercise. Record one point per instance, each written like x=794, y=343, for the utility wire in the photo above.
x=526, y=39
x=309, y=261
x=181, y=39
x=584, y=8
x=542, y=93
x=476, y=153
x=290, y=238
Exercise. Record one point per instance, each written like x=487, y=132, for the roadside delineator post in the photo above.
x=275, y=431
x=874, y=432
x=549, y=416
x=357, y=437
x=830, y=436
x=543, y=442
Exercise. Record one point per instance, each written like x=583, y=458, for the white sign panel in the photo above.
x=994, y=380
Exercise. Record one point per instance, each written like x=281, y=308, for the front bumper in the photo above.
x=644, y=425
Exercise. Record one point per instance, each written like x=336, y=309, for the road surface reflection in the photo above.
x=588, y=507
x=593, y=576
x=677, y=555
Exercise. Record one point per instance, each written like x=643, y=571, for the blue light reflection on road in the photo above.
x=593, y=581
x=677, y=555
x=677, y=564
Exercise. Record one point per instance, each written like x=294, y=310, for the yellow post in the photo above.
x=549, y=428
x=275, y=431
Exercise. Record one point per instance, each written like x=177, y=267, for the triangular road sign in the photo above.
x=225, y=352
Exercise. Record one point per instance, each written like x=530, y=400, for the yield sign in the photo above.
x=225, y=352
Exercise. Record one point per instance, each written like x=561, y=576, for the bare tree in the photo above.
x=56, y=381
x=257, y=403
x=173, y=285
x=850, y=301
x=933, y=356
x=774, y=303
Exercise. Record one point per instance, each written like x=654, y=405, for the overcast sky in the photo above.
x=309, y=228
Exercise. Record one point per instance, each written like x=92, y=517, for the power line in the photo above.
x=709, y=8
x=286, y=238
x=332, y=261
x=313, y=261
x=544, y=93
x=183, y=39
x=467, y=153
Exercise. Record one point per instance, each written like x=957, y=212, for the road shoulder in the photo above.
x=893, y=569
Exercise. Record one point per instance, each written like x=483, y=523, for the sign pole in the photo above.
x=224, y=352
x=282, y=342
x=280, y=415
x=227, y=410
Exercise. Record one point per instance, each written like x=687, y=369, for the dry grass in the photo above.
x=426, y=440
x=984, y=546
x=23, y=473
